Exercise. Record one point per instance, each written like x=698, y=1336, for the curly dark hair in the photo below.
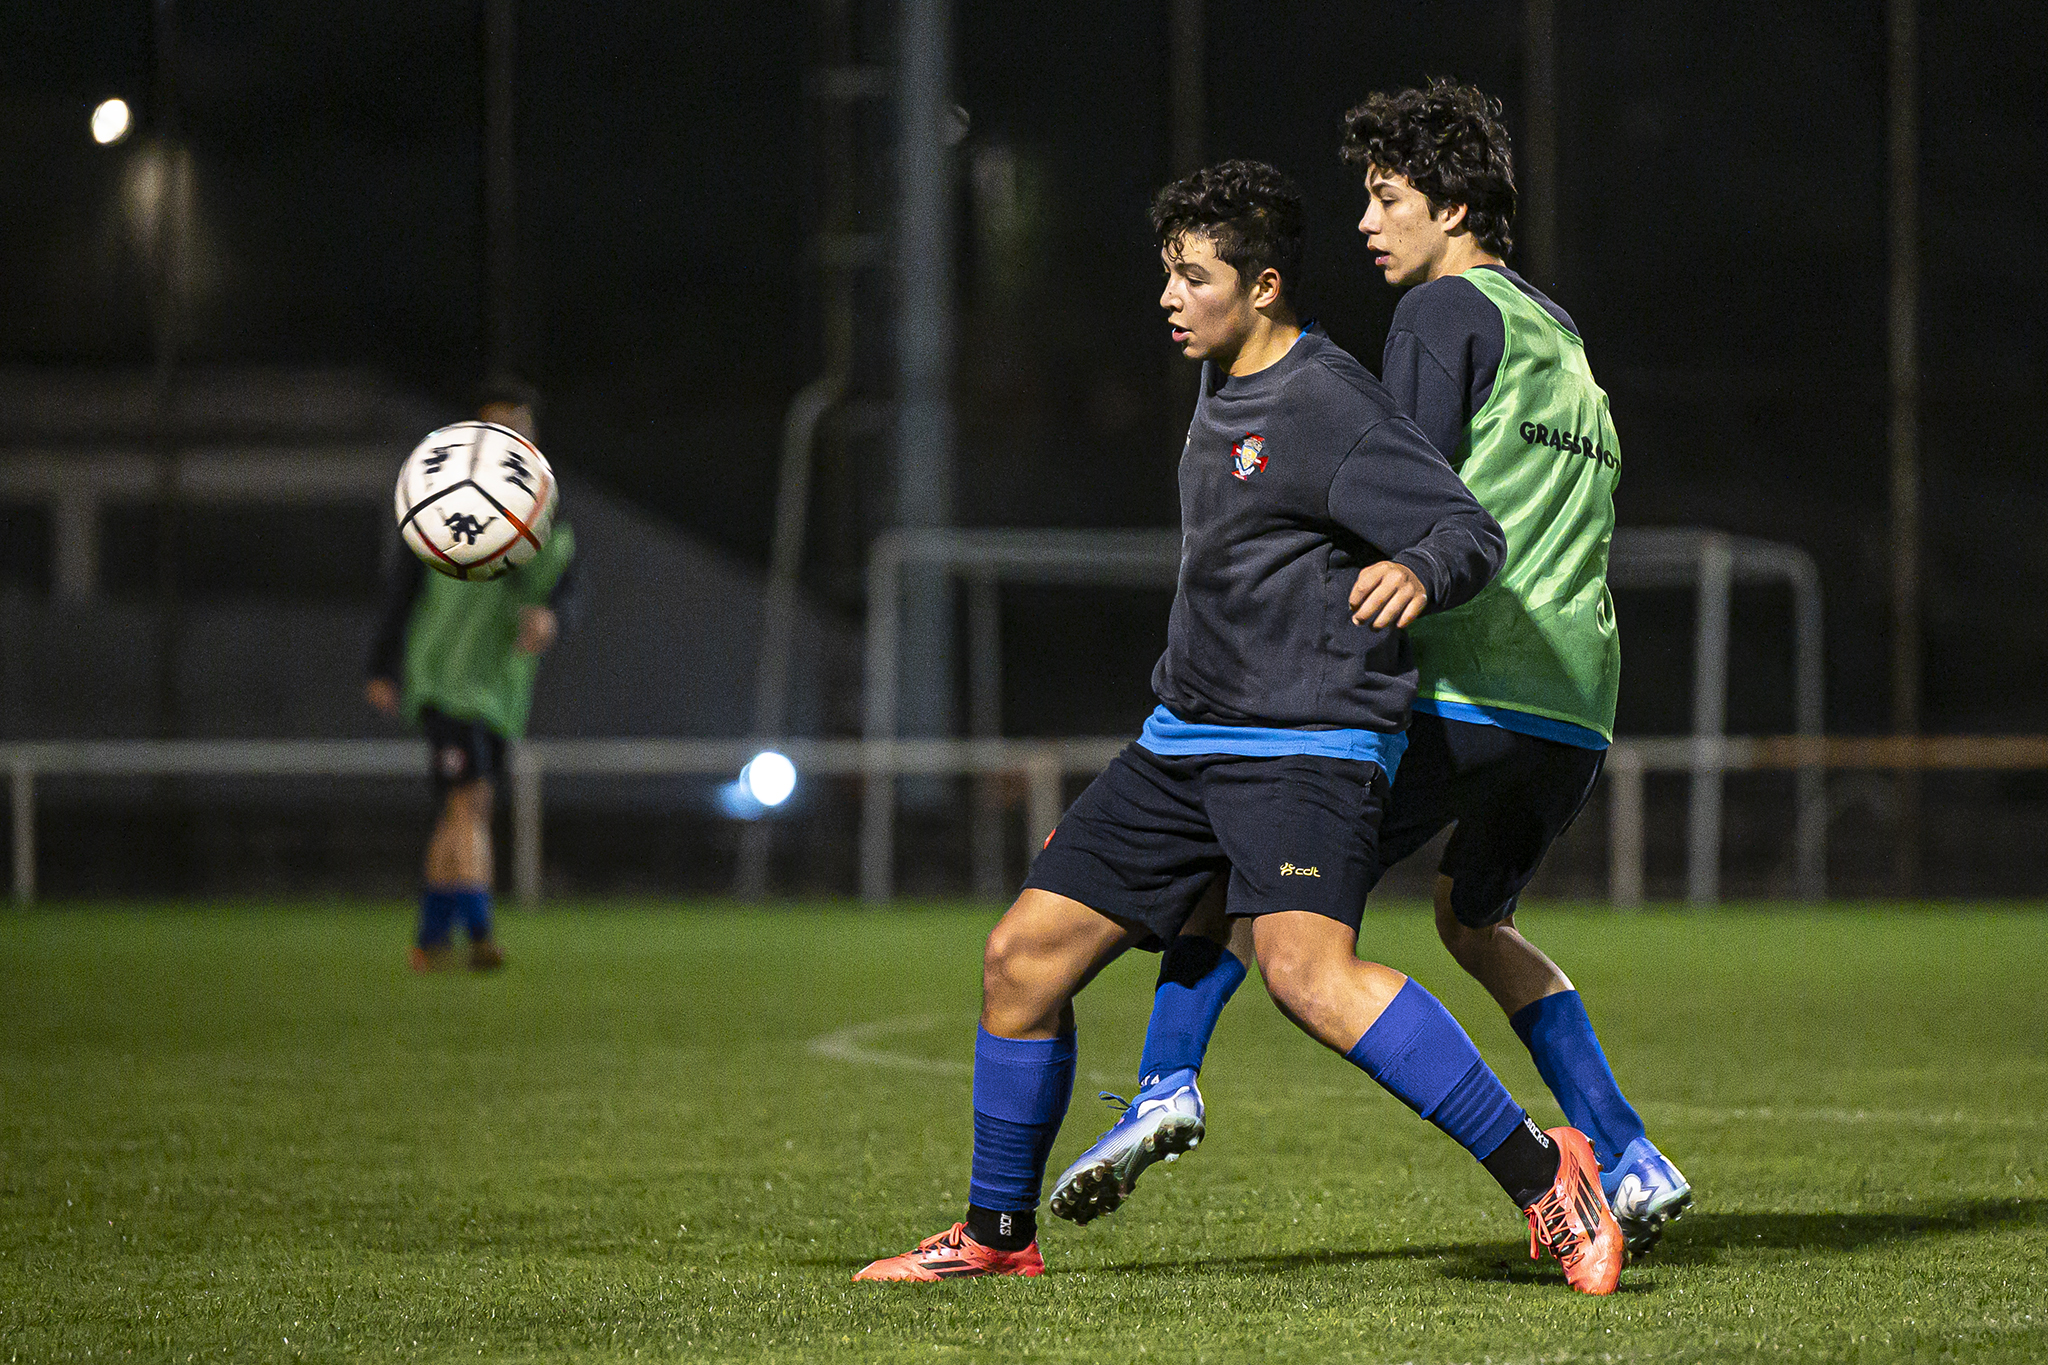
x=1448, y=142
x=1250, y=213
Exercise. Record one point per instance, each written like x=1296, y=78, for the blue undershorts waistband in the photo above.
x=1169, y=736
x=1521, y=722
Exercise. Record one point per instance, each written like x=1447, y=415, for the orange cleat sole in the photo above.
x=953, y=1255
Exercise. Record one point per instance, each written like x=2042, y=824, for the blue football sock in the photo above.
x=1021, y=1089
x=438, y=908
x=1197, y=977
x=473, y=908
x=1425, y=1059
x=1571, y=1062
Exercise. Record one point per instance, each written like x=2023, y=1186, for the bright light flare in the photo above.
x=769, y=778
x=111, y=122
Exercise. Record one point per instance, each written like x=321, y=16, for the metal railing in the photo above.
x=1709, y=562
x=1044, y=766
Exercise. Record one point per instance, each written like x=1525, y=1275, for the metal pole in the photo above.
x=76, y=574
x=836, y=89
x=167, y=276
x=1042, y=774
x=1186, y=60
x=985, y=721
x=778, y=603
x=1709, y=721
x=500, y=39
x=924, y=347
x=785, y=561
x=23, y=794
x=1187, y=120
x=1538, y=178
x=750, y=872
x=1902, y=145
x=1624, y=827
x=1810, y=821
x=526, y=818
x=878, y=788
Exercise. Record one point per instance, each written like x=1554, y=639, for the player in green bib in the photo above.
x=1515, y=689
x=458, y=659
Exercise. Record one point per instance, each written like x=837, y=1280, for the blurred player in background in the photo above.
x=458, y=660
x=1515, y=704
x=1316, y=523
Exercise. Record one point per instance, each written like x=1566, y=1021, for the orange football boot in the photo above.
x=1573, y=1223
x=953, y=1255
x=438, y=958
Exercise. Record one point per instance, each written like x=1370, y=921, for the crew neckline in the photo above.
x=1251, y=383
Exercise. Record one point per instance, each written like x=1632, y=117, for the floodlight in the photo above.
x=769, y=778
x=110, y=122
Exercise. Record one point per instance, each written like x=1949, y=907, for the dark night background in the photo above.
x=1722, y=243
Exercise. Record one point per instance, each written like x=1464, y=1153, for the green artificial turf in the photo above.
x=674, y=1132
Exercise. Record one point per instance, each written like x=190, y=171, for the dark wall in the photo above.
x=1723, y=246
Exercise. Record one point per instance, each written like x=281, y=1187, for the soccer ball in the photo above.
x=475, y=500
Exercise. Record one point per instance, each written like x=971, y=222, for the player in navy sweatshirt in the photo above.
x=1268, y=760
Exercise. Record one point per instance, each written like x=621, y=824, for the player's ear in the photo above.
x=1451, y=218
x=1266, y=288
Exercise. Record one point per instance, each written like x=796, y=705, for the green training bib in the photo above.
x=1541, y=456
x=461, y=655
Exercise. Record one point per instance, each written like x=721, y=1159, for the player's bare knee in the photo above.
x=1458, y=937
x=1295, y=975
x=1001, y=957
x=1013, y=974
x=1465, y=943
x=471, y=800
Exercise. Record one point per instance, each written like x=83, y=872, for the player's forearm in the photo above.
x=1398, y=494
x=404, y=577
x=570, y=596
x=387, y=650
x=1458, y=558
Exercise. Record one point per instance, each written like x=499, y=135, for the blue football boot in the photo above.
x=1159, y=1123
x=1646, y=1191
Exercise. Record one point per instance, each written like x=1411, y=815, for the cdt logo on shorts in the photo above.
x=1291, y=870
x=452, y=761
x=1248, y=456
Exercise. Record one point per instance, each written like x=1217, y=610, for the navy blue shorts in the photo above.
x=1511, y=795
x=1297, y=832
x=462, y=750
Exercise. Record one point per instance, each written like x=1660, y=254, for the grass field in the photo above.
x=674, y=1132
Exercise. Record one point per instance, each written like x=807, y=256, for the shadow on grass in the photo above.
x=1701, y=1238
x=1698, y=1239
x=1706, y=1239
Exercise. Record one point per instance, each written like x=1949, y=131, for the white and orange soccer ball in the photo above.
x=475, y=500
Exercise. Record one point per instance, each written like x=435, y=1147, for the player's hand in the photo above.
x=1387, y=594
x=537, y=629
x=382, y=693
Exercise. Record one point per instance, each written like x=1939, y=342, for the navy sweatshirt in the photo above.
x=1292, y=480
x=1444, y=352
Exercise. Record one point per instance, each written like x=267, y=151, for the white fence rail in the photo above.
x=1710, y=562
x=1044, y=765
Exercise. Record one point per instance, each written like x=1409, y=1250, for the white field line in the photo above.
x=854, y=1044
x=857, y=1044
x=1906, y=1118
x=851, y=1044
